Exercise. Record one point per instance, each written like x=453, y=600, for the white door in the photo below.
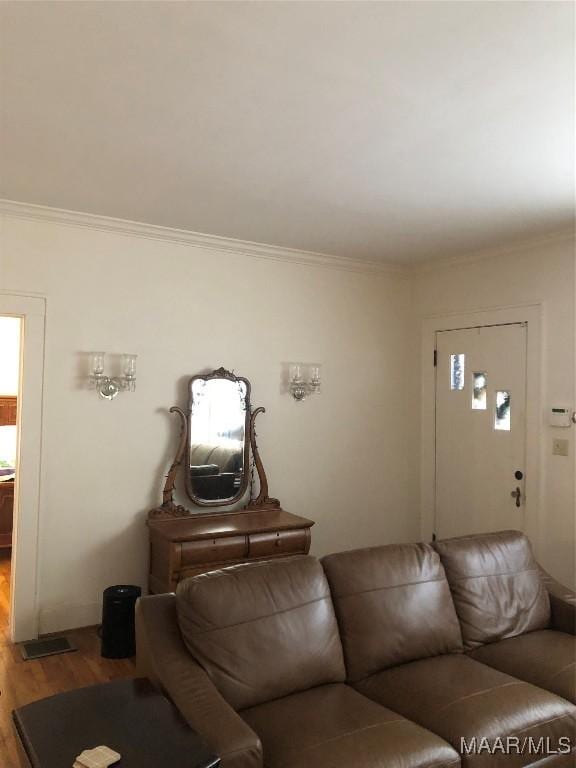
x=480, y=429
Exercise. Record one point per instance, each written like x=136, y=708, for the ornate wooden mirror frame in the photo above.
x=262, y=502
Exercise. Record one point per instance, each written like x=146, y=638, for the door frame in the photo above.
x=25, y=533
x=532, y=315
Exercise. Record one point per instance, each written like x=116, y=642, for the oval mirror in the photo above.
x=218, y=440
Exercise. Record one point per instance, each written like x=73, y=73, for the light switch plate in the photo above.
x=559, y=447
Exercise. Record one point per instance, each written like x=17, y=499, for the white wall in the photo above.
x=348, y=459
x=542, y=273
x=9, y=355
x=345, y=459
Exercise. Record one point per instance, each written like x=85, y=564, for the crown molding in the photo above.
x=463, y=259
x=30, y=211
x=186, y=237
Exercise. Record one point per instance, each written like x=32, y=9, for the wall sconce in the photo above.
x=109, y=386
x=303, y=380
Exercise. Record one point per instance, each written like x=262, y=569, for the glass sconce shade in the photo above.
x=295, y=373
x=129, y=366
x=97, y=363
x=129, y=370
x=315, y=379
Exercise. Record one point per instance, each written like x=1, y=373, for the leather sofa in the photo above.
x=460, y=652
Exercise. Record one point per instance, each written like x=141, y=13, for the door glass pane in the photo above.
x=479, y=391
x=502, y=414
x=457, y=371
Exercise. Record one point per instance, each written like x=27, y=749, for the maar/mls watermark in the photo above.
x=514, y=745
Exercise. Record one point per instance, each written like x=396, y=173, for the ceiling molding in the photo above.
x=186, y=237
x=463, y=259
x=92, y=221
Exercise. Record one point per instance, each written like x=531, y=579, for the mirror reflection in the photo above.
x=217, y=439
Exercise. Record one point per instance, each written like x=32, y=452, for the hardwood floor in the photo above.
x=24, y=681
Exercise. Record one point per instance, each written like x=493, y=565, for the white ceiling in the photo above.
x=393, y=131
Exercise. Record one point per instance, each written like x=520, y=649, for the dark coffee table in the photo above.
x=129, y=716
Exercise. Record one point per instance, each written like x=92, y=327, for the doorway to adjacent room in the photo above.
x=21, y=388
x=10, y=338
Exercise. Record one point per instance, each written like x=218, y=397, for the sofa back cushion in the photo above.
x=496, y=586
x=393, y=605
x=262, y=630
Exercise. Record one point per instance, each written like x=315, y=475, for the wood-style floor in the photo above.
x=24, y=681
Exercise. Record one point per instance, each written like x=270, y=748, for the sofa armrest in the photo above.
x=162, y=657
x=562, y=604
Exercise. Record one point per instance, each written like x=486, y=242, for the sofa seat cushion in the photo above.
x=262, y=630
x=393, y=605
x=459, y=698
x=333, y=726
x=496, y=584
x=546, y=658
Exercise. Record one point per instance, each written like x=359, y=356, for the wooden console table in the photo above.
x=187, y=546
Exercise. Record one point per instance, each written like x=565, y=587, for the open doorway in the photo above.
x=30, y=311
x=10, y=340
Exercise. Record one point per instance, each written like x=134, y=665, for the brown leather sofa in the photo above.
x=401, y=656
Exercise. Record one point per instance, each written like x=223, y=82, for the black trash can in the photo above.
x=118, y=636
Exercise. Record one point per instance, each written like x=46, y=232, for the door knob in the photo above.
x=517, y=494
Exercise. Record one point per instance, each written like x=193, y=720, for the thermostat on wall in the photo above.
x=560, y=416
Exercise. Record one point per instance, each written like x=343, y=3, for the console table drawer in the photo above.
x=185, y=546
x=279, y=543
x=213, y=550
